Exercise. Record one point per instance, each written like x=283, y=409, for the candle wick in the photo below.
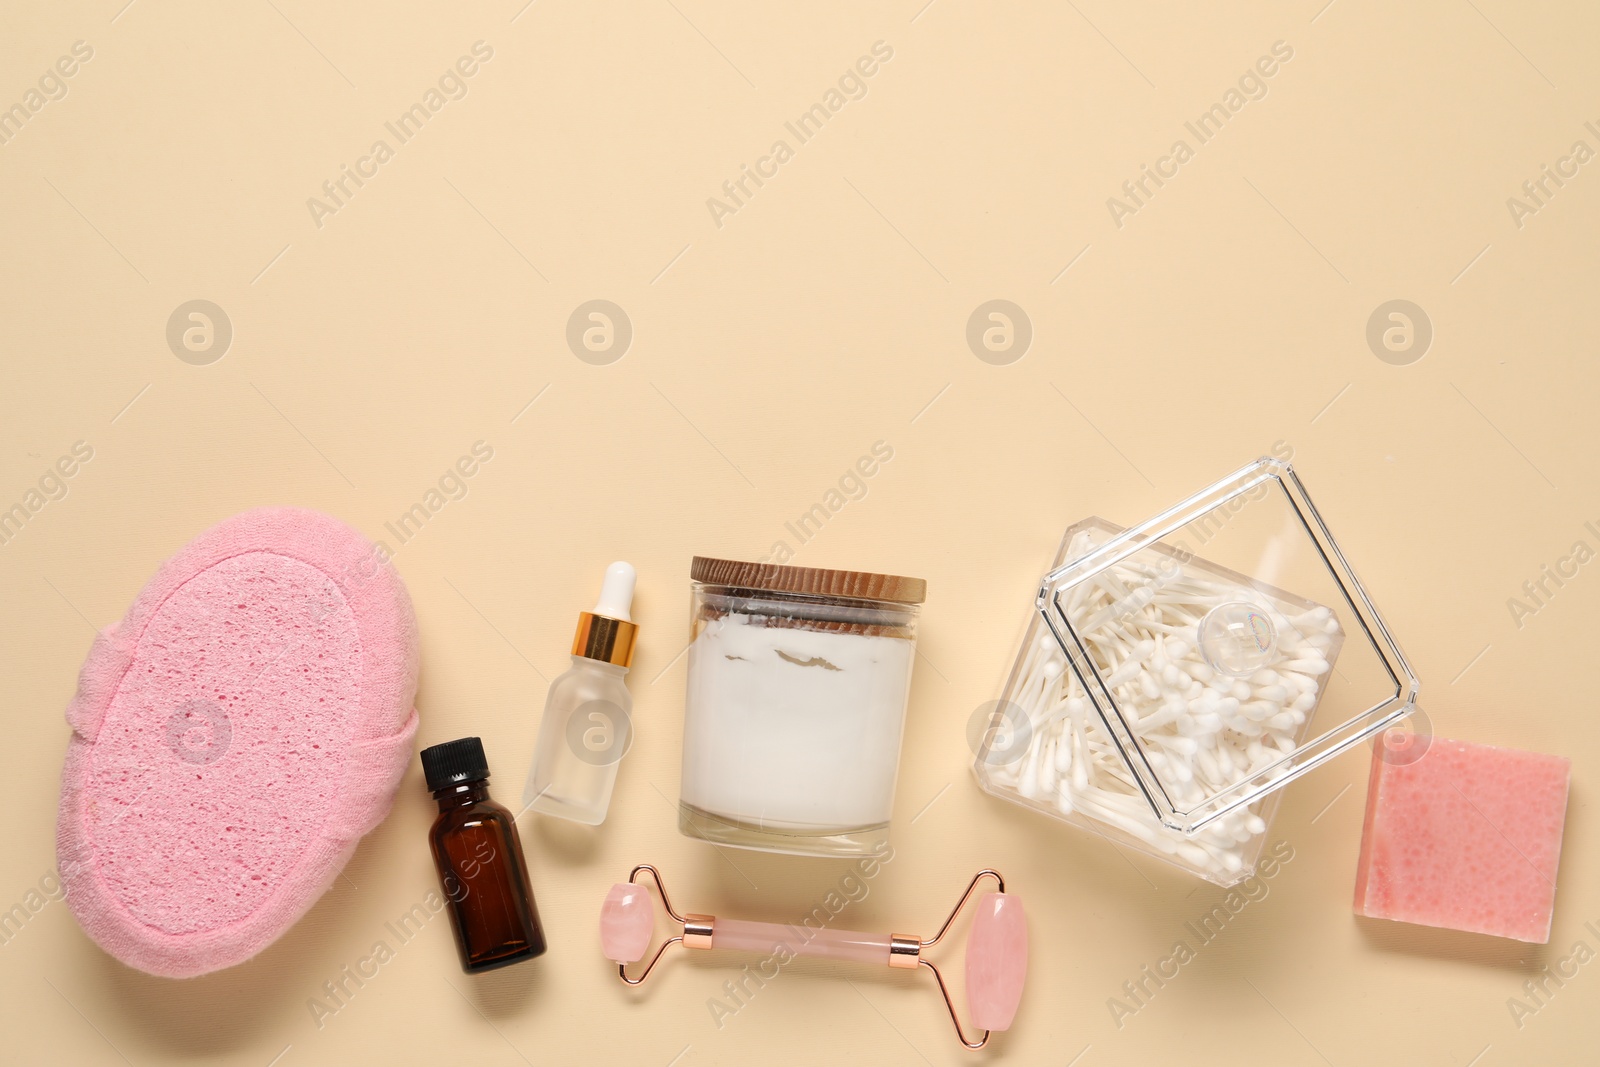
x=814, y=661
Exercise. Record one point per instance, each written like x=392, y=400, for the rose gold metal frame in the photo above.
x=905, y=951
x=1000, y=886
x=661, y=887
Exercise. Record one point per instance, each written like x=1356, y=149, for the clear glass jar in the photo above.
x=798, y=680
x=1175, y=676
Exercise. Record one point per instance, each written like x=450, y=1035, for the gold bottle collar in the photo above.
x=605, y=639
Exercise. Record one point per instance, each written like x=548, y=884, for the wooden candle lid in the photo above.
x=808, y=581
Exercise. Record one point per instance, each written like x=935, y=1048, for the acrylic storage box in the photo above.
x=1176, y=675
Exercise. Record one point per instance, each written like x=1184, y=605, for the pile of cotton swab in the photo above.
x=1202, y=730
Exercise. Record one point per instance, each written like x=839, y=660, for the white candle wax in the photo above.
x=793, y=729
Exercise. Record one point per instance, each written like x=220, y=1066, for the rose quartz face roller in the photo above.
x=997, y=946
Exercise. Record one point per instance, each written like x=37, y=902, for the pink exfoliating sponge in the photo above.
x=233, y=739
x=1462, y=836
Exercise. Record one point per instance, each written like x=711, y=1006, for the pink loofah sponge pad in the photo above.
x=233, y=739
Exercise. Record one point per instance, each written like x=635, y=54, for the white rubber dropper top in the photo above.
x=616, y=594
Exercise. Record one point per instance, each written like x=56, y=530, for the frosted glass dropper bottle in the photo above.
x=587, y=724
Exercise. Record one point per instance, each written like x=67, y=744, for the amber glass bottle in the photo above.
x=480, y=862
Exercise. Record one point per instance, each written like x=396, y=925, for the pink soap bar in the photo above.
x=1462, y=836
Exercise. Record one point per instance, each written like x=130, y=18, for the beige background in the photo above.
x=829, y=312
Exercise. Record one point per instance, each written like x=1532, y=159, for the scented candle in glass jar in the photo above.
x=798, y=679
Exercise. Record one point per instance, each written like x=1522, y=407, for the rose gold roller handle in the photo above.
x=997, y=946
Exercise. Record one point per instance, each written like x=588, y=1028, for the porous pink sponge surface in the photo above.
x=233, y=739
x=1462, y=836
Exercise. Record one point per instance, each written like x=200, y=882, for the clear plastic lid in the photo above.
x=1242, y=589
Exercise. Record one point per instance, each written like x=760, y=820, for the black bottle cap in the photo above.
x=454, y=762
